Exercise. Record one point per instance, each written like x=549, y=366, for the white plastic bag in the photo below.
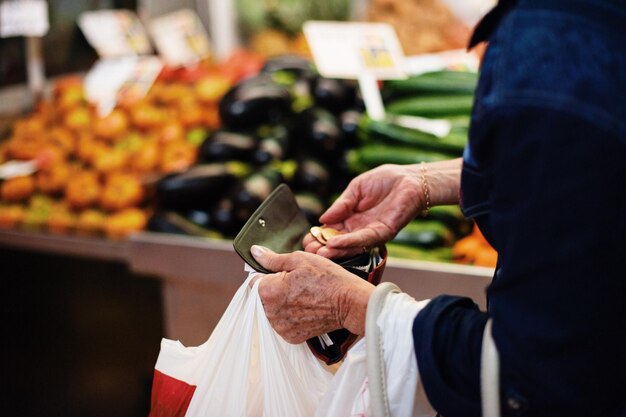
x=349, y=395
x=245, y=369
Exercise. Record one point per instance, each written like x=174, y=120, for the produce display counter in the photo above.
x=200, y=276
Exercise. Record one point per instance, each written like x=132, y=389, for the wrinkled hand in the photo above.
x=310, y=295
x=372, y=210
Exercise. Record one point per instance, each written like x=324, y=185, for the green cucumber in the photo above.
x=438, y=82
x=425, y=234
x=387, y=131
x=452, y=217
x=373, y=155
x=396, y=250
x=433, y=106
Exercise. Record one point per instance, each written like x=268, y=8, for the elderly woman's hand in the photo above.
x=380, y=202
x=374, y=207
x=310, y=295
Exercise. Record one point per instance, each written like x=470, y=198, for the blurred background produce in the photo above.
x=274, y=27
x=423, y=26
x=201, y=151
x=211, y=140
x=107, y=165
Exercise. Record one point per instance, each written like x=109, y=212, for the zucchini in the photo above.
x=433, y=106
x=453, y=143
x=396, y=250
x=452, y=217
x=373, y=155
x=437, y=82
x=425, y=234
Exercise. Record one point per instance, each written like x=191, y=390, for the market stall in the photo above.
x=196, y=295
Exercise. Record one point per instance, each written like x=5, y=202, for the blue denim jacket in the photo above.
x=544, y=176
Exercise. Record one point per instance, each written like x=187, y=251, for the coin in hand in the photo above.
x=328, y=232
x=316, y=232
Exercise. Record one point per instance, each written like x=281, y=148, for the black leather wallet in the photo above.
x=279, y=224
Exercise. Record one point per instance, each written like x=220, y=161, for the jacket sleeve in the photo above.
x=447, y=335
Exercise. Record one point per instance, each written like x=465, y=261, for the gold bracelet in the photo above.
x=426, y=189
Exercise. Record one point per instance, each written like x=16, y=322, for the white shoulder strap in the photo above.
x=374, y=350
x=489, y=375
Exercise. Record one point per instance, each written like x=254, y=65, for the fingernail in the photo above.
x=257, y=250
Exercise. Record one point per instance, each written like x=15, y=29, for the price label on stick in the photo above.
x=143, y=76
x=367, y=52
x=24, y=18
x=347, y=50
x=114, y=33
x=115, y=80
x=180, y=38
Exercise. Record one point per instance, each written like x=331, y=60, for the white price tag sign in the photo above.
x=120, y=79
x=180, y=38
x=143, y=76
x=114, y=33
x=348, y=50
x=24, y=18
x=365, y=51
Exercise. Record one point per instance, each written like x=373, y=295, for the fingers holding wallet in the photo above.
x=310, y=295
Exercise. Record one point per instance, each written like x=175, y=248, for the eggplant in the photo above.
x=237, y=205
x=159, y=222
x=273, y=145
x=201, y=218
x=254, y=189
x=334, y=95
x=298, y=66
x=224, y=218
x=312, y=176
x=223, y=145
x=253, y=102
x=319, y=134
x=349, y=121
x=196, y=188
